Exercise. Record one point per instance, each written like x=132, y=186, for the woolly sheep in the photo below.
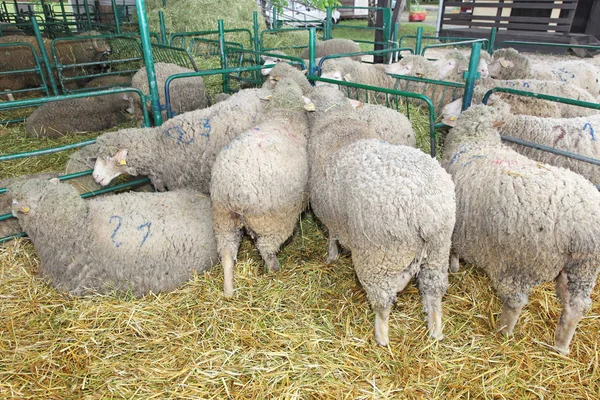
x=513, y=223
x=510, y=64
x=133, y=242
x=186, y=94
x=334, y=46
x=68, y=52
x=88, y=114
x=451, y=67
x=284, y=70
x=390, y=125
x=181, y=152
x=392, y=206
x=577, y=135
x=259, y=181
x=528, y=105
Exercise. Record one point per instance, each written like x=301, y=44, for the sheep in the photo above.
x=528, y=105
x=392, y=206
x=513, y=222
x=259, y=181
x=67, y=52
x=271, y=60
x=186, y=94
x=334, y=46
x=283, y=70
x=221, y=97
x=88, y=114
x=577, y=135
x=509, y=64
x=132, y=242
x=389, y=125
x=181, y=152
x=109, y=81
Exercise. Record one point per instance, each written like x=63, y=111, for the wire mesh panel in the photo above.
x=173, y=55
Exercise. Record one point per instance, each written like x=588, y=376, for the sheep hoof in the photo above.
x=384, y=342
x=438, y=336
x=454, y=264
x=561, y=350
x=272, y=264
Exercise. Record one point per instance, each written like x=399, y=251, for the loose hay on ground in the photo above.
x=304, y=332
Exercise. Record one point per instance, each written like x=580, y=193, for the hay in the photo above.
x=305, y=332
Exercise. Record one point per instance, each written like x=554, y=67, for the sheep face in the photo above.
x=398, y=68
x=109, y=167
x=334, y=75
x=451, y=111
x=483, y=68
x=268, y=60
x=27, y=195
x=496, y=67
x=445, y=67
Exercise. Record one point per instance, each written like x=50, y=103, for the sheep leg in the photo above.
x=332, y=249
x=576, y=302
x=382, y=325
x=433, y=282
x=432, y=305
x=454, y=262
x=228, y=235
x=561, y=287
x=508, y=319
x=268, y=246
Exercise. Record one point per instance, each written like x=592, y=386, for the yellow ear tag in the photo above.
x=275, y=78
x=25, y=209
x=347, y=77
x=309, y=107
x=504, y=64
x=123, y=162
x=419, y=75
x=452, y=118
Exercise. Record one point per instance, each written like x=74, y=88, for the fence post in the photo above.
x=387, y=32
x=64, y=14
x=87, y=15
x=419, y=41
x=116, y=16
x=256, y=43
x=312, y=49
x=149, y=61
x=163, y=29
x=328, y=24
x=492, y=40
x=225, y=77
x=43, y=52
x=471, y=75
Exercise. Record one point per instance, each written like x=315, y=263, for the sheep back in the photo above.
x=334, y=46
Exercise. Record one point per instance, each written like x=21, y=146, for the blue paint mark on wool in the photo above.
x=589, y=129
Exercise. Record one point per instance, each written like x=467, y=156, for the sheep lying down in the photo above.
x=133, y=242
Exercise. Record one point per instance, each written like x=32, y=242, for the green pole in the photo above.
x=387, y=31
x=419, y=42
x=225, y=77
x=329, y=25
x=62, y=10
x=116, y=15
x=87, y=15
x=149, y=61
x=43, y=53
x=312, y=50
x=163, y=29
x=256, y=43
x=471, y=75
x=492, y=40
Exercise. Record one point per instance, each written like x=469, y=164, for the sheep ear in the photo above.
x=54, y=181
x=355, y=103
x=305, y=71
x=506, y=63
x=120, y=157
x=450, y=121
x=348, y=78
x=128, y=98
x=92, y=160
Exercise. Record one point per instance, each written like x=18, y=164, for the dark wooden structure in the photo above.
x=567, y=21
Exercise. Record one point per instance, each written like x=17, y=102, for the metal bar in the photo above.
x=163, y=29
x=552, y=150
x=493, y=32
x=595, y=106
x=224, y=77
x=116, y=16
x=312, y=49
x=450, y=44
x=43, y=53
x=419, y=41
x=26, y=154
x=87, y=15
x=471, y=76
x=149, y=61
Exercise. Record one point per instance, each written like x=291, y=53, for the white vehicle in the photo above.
x=298, y=13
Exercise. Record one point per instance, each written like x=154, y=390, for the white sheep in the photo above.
x=392, y=206
x=510, y=64
x=259, y=181
x=133, y=242
x=523, y=222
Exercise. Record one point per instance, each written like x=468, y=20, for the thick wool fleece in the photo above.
x=392, y=206
x=577, y=135
x=523, y=222
x=181, y=152
x=335, y=46
x=186, y=94
x=259, y=181
x=133, y=242
x=88, y=114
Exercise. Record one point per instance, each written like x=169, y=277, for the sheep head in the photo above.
x=108, y=168
x=27, y=195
